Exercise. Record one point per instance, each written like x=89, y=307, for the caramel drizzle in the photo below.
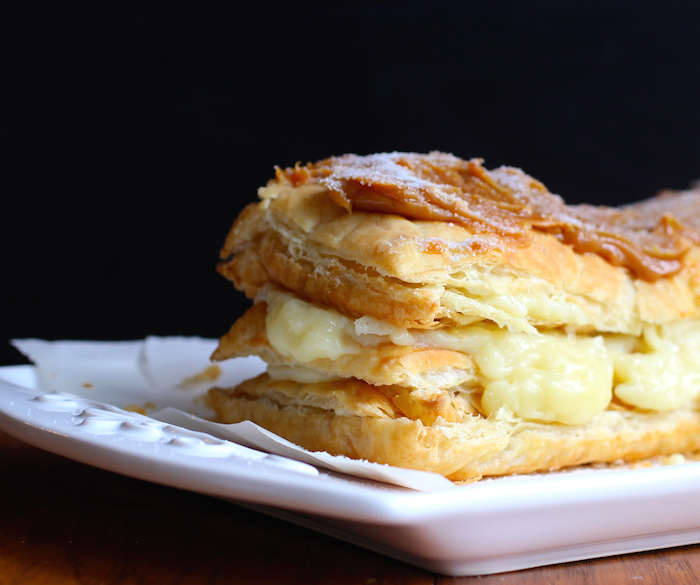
x=507, y=202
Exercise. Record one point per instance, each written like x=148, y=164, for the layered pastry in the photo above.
x=425, y=312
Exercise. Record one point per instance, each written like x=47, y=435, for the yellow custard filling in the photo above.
x=546, y=376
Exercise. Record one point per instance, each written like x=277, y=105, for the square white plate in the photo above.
x=485, y=527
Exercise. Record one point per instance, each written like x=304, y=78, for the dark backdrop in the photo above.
x=132, y=133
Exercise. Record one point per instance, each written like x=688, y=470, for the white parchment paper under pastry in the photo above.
x=166, y=378
x=251, y=435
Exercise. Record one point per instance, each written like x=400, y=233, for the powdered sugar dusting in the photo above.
x=375, y=168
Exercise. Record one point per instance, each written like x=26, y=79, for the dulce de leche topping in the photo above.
x=649, y=238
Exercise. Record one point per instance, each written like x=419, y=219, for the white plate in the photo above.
x=486, y=527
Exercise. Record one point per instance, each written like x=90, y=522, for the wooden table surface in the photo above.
x=62, y=522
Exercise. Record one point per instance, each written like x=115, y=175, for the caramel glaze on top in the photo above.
x=649, y=238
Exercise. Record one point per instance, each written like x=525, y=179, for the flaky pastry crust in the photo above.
x=428, y=274
x=356, y=420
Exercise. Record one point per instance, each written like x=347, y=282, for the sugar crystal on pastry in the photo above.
x=422, y=311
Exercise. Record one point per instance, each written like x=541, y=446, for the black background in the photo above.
x=132, y=133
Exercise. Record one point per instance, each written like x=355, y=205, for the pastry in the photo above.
x=425, y=312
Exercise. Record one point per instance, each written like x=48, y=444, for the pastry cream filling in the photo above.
x=545, y=377
x=514, y=312
x=661, y=371
x=307, y=332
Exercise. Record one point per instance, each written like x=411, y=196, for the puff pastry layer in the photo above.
x=357, y=420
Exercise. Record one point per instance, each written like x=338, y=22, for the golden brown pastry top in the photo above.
x=649, y=238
